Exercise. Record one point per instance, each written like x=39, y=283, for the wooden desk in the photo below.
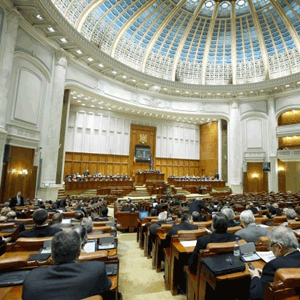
x=87, y=185
x=158, y=253
x=236, y=284
x=15, y=292
x=141, y=178
x=179, y=258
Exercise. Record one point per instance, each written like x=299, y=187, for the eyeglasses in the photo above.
x=272, y=245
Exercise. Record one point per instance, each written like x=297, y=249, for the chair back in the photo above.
x=234, y=229
x=215, y=248
x=205, y=224
x=294, y=225
x=262, y=244
x=69, y=214
x=189, y=235
x=25, y=221
x=31, y=244
x=284, y=285
x=279, y=219
x=96, y=297
x=261, y=220
x=166, y=227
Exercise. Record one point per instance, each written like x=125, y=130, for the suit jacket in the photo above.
x=203, y=241
x=104, y=219
x=13, y=201
x=176, y=228
x=258, y=285
x=197, y=205
x=252, y=233
x=254, y=210
x=67, y=281
x=40, y=232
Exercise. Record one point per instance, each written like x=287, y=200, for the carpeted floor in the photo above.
x=137, y=280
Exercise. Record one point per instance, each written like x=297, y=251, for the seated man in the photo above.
x=88, y=224
x=104, y=215
x=219, y=235
x=251, y=232
x=41, y=229
x=57, y=220
x=79, y=216
x=196, y=216
x=197, y=205
x=162, y=219
x=11, y=217
x=186, y=224
x=284, y=244
x=228, y=212
x=67, y=279
x=290, y=215
x=251, y=207
x=81, y=230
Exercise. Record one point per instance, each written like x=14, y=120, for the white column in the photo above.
x=49, y=188
x=220, y=148
x=8, y=43
x=235, y=150
x=273, y=145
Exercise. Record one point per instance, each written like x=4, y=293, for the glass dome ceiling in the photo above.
x=194, y=41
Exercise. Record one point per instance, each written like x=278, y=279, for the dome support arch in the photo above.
x=233, y=42
x=184, y=37
x=162, y=27
x=208, y=42
x=260, y=39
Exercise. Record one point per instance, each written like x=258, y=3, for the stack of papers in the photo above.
x=189, y=243
x=266, y=255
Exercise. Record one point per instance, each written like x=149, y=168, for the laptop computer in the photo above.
x=46, y=247
x=143, y=214
x=248, y=252
x=107, y=242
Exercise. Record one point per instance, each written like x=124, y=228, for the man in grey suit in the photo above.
x=251, y=232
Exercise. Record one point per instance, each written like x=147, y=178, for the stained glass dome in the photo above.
x=194, y=41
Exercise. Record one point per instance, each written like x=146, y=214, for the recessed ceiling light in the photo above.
x=114, y=72
x=138, y=112
x=78, y=51
x=101, y=65
x=63, y=40
x=51, y=29
x=150, y=114
x=218, y=94
x=251, y=92
x=90, y=59
x=187, y=92
x=261, y=90
x=275, y=88
x=109, y=108
x=177, y=91
x=146, y=84
x=196, y=93
x=78, y=101
x=124, y=76
x=83, y=104
x=287, y=85
x=156, y=115
x=208, y=93
x=165, y=89
x=101, y=107
x=39, y=17
x=144, y=113
x=92, y=106
x=133, y=80
x=74, y=97
x=228, y=93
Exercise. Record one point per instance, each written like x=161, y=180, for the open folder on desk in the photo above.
x=189, y=243
x=266, y=256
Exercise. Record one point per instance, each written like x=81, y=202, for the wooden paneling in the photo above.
x=135, y=133
x=252, y=183
x=19, y=159
x=209, y=148
x=96, y=163
x=178, y=167
x=290, y=142
x=289, y=117
x=281, y=176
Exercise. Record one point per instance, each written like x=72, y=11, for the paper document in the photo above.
x=45, y=251
x=189, y=243
x=263, y=225
x=266, y=255
x=89, y=247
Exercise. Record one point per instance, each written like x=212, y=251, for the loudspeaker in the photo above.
x=6, y=154
x=266, y=167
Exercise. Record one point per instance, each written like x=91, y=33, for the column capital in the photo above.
x=13, y=16
x=234, y=104
x=271, y=98
x=61, y=58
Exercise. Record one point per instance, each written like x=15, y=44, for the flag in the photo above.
x=151, y=162
x=134, y=162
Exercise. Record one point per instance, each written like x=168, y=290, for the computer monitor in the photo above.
x=143, y=214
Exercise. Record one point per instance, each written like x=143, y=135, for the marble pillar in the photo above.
x=48, y=189
x=273, y=146
x=235, y=150
x=8, y=42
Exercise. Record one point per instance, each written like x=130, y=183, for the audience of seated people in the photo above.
x=67, y=279
x=42, y=228
x=87, y=177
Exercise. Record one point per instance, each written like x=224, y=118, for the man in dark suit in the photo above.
x=197, y=205
x=17, y=200
x=283, y=244
x=219, y=235
x=41, y=229
x=186, y=224
x=67, y=279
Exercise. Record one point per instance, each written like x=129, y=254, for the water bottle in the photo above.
x=236, y=249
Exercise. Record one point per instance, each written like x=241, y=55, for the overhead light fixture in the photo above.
x=177, y=91
x=146, y=84
x=78, y=101
x=63, y=40
x=196, y=93
x=133, y=80
x=187, y=92
x=78, y=51
x=255, y=175
x=101, y=107
x=114, y=72
x=124, y=76
x=51, y=29
x=90, y=59
x=101, y=65
x=92, y=106
x=83, y=104
x=39, y=17
x=287, y=85
x=165, y=89
x=208, y=93
x=109, y=108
